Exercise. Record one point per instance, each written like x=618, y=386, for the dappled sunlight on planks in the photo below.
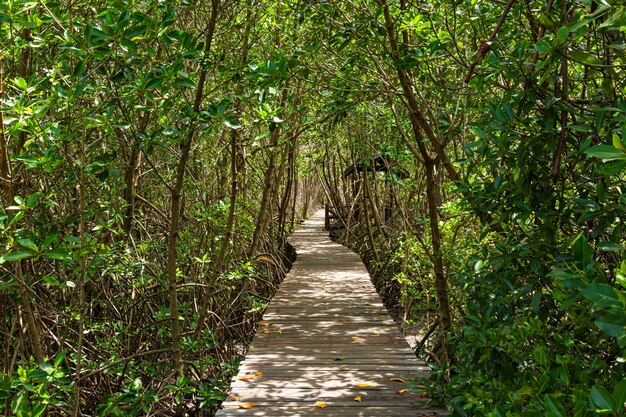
x=326, y=345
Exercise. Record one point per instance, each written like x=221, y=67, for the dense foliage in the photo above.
x=149, y=181
x=154, y=155
x=513, y=114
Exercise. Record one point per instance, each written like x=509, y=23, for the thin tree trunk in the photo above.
x=81, y=279
x=441, y=282
x=265, y=199
x=368, y=226
x=29, y=314
x=374, y=205
x=8, y=189
x=284, y=203
x=230, y=222
x=419, y=126
x=130, y=178
x=131, y=175
x=296, y=192
x=175, y=210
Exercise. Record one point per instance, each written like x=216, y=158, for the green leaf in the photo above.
x=619, y=394
x=554, y=406
x=616, y=20
x=59, y=359
x=562, y=33
x=15, y=256
x=525, y=391
x=135, y=33
x=154, y=82
x=185, y=82
x=46, y=367
x=585, y=58
x=610, y=247
x=28, y=244
x=16, y=218
x=39, y=410
x=606, y=153
x=542, y=46
x=30, y=21
x=620, y=275
x=612, y=169
x=602, y=295
x=540, y=356
x=19, y=402
x=20, y=83
x=612, y=324
x=232, y=122
x=547, y=22
x=583, y=254
x=602, y=399
x=57, y=253
x=601, y=10
x=618, y=144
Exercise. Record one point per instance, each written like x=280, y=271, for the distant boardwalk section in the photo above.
x=326, y=345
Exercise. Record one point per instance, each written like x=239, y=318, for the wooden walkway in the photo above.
x=326, y=345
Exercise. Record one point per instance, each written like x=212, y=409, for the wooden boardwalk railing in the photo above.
x=326, y=345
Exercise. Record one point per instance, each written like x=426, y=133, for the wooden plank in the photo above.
x=331, y=360
x=311, y=410
x=327, y=337
x=346, y=402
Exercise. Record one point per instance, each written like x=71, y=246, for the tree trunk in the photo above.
x=175, y=209
x=230, y=222
x=441, y=281
x=265, y=199
x=284, y=203
x=8, y=189
x=420, y=126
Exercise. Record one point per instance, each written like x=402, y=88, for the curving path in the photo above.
x=326, y=345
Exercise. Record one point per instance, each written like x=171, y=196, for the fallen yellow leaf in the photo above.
x=265, y=323
x=364, y=385
x=358, y=339
x=245, y=378
x=401, y=391
x=397, y=379
x=357, y=398
x=320, y=404
x=257, y=373
x=233, y=398
x=246, y=406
